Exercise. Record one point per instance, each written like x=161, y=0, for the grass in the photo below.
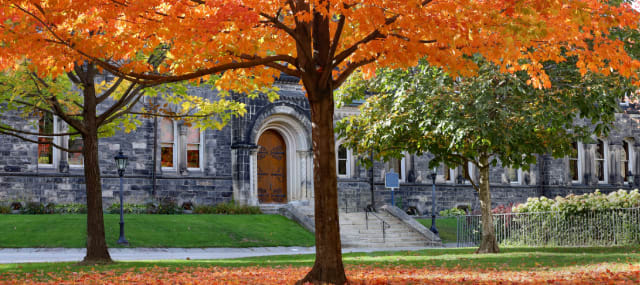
x=190, y=231
x=446, y=228
x=513, y=259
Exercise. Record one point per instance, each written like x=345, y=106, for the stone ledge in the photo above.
x=411, y=223
x=293, y=213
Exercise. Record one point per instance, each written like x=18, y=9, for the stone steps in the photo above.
x=270, y=208
x=356, y=231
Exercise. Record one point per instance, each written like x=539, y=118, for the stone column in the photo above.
x=63, y=163
x=306, y=174
x=636, y=166
x=615, y=158
x=243, y=158
x=589, y=176
x=180, y=148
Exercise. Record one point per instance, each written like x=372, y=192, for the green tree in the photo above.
x=94, y=109
x=480, y=120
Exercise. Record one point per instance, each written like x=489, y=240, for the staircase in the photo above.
x=389, y=227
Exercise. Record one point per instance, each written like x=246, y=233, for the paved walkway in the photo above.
x=22, y=255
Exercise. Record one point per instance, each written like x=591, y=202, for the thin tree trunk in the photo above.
x=97, y=251
x=489, y=244
x=328, y=267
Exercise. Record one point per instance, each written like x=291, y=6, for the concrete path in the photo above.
x=22, y=255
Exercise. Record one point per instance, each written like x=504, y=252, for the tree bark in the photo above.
x=97, y=251
x=489, y=244
x=328, y=267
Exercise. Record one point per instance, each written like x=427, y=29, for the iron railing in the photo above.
x=590, y=228
x=384, y=224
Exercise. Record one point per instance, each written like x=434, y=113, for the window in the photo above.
x=167, y=143
x=343, y=163
x=194, y=148
x=396, y=165
x=627, y=159
x=575, y=159
x=448, y=173
x=46, y=152
x=514, y=175
x=471, y=170
x=75, y=159
x=601, y=161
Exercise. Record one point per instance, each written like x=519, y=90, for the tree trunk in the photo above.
x=328, y=267
x=489, y=243
x=97, y=251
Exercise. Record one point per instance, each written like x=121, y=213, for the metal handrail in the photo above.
x=385, y=225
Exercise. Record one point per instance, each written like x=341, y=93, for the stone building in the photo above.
x=265, y=158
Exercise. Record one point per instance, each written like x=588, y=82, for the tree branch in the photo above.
x=108, y=92
x=350, y=69
x=39, y=142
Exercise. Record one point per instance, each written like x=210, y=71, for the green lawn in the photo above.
x=155, y=231
x=446, y=228
x=516, y=259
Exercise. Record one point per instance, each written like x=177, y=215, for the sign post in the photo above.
x=391, y=180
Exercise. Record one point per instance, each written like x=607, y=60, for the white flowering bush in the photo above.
x=576, y=204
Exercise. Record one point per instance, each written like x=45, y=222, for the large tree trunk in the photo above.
x=328, y=267
x=489, y=244
x=97, y=251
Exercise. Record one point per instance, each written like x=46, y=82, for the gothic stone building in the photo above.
x=265, y=157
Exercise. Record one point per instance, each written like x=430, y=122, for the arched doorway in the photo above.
x=272, y=168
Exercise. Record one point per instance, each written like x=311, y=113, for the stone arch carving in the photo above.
x=294, y=127
x=299, y=116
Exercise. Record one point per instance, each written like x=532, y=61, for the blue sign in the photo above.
x=391, y=180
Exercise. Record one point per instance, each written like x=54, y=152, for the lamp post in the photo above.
x=121, y=164
x=433, y=202
x=630, y=179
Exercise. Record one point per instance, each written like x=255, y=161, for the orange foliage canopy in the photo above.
x=258, y=39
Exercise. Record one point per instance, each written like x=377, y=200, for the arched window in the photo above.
x=601, y=161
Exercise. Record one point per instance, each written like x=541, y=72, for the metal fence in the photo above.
x=593, y=228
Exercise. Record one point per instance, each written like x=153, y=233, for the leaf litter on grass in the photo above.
x=597, y=274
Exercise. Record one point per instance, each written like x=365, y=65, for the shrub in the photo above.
x=453, y=212
x=71, y=208
x=127, y=208
x=576, y=204
x=5, y=209
x=204, y=210
x=34, y=208
x=231, y=208
x=168, y=206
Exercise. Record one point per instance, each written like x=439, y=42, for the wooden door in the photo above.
x=272, y=168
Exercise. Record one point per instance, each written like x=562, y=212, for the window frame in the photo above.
x=630, y=160
x=451, y=172
x=605, y=161
x=579, y=159
x=74, y=166
x=347, y=160
x=55, y=152
x=200, y=152
x=519, y=176
x=402, y=172
x=175, y=146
